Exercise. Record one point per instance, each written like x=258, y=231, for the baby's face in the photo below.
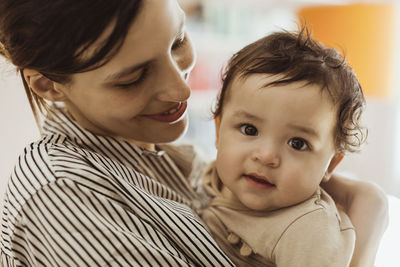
x=275, y=143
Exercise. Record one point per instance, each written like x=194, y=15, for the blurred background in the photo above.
x=366, y=31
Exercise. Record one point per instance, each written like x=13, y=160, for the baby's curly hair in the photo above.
x=298, y=57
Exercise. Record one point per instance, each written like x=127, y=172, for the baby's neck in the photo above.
x=231, y=197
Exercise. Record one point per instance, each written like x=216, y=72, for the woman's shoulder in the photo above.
x=35, y=160
x=36, y=166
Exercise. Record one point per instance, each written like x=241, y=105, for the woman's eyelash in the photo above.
x=135, y=82
x=179, y=43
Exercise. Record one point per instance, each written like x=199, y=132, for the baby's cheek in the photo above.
x=224, y=163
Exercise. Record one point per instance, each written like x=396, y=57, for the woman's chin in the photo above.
x=166, y=134
x=175, y=131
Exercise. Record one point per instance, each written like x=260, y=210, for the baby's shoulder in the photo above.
x=319, y=226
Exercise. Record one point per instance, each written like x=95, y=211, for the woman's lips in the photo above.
x=171, y=115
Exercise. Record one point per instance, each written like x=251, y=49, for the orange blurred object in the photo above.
x=365, y=33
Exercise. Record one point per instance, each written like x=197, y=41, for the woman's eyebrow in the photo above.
x=181, y=25
x=131, y=69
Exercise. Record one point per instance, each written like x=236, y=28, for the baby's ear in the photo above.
x=336, y=159
x=217, y=121
x=42, y=86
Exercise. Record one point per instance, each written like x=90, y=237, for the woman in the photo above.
x=99, y=188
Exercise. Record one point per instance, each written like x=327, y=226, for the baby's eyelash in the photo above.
x=295, y=141
x=248, y=129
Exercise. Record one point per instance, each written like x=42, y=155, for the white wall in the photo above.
x=17, y=124
x=377, y=160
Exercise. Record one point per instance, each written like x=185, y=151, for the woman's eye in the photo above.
x=299, y=144
x=139, y=77
x=179, y=42
x=248, y=129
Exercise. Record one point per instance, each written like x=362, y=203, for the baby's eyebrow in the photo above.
x=304, y=129
x=244, y=114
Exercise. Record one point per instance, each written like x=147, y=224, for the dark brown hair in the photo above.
x=52, y=36
x=298, y=57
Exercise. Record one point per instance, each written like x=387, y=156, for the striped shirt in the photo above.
x=79, y=199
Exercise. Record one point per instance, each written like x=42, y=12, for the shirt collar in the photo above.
x=59, y=122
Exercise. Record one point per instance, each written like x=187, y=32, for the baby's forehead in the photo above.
x=258, y=85
x=267, y=80
x=284, y=111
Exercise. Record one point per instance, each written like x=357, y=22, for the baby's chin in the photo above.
x=257, y=205
x=262, y=207
x=266, y=205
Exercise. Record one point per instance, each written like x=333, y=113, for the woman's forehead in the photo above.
x=155, y=17
x=151, y=33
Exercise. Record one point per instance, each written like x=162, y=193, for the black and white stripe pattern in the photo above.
x=78, y=199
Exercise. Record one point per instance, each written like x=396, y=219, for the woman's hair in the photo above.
x=295, y=56
x=52, y=36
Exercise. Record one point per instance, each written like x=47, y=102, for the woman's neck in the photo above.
x=147, y=146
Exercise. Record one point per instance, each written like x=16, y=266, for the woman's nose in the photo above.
x=185, y=57
x=179, y=64
x=267, y=156
x=174, y=86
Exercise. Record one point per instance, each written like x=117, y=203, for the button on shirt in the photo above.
x=79, y=199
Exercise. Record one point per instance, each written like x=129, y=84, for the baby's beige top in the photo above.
x=313, y=233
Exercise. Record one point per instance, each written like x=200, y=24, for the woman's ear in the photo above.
x=217, y=121
x=42, y=86
x=336, y=159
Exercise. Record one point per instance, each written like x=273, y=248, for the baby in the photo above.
x=288, y=110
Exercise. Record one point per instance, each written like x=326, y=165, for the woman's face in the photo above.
x=140, y=95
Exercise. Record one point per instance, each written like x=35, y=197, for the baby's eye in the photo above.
x=298, y=143
x=248, y=129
